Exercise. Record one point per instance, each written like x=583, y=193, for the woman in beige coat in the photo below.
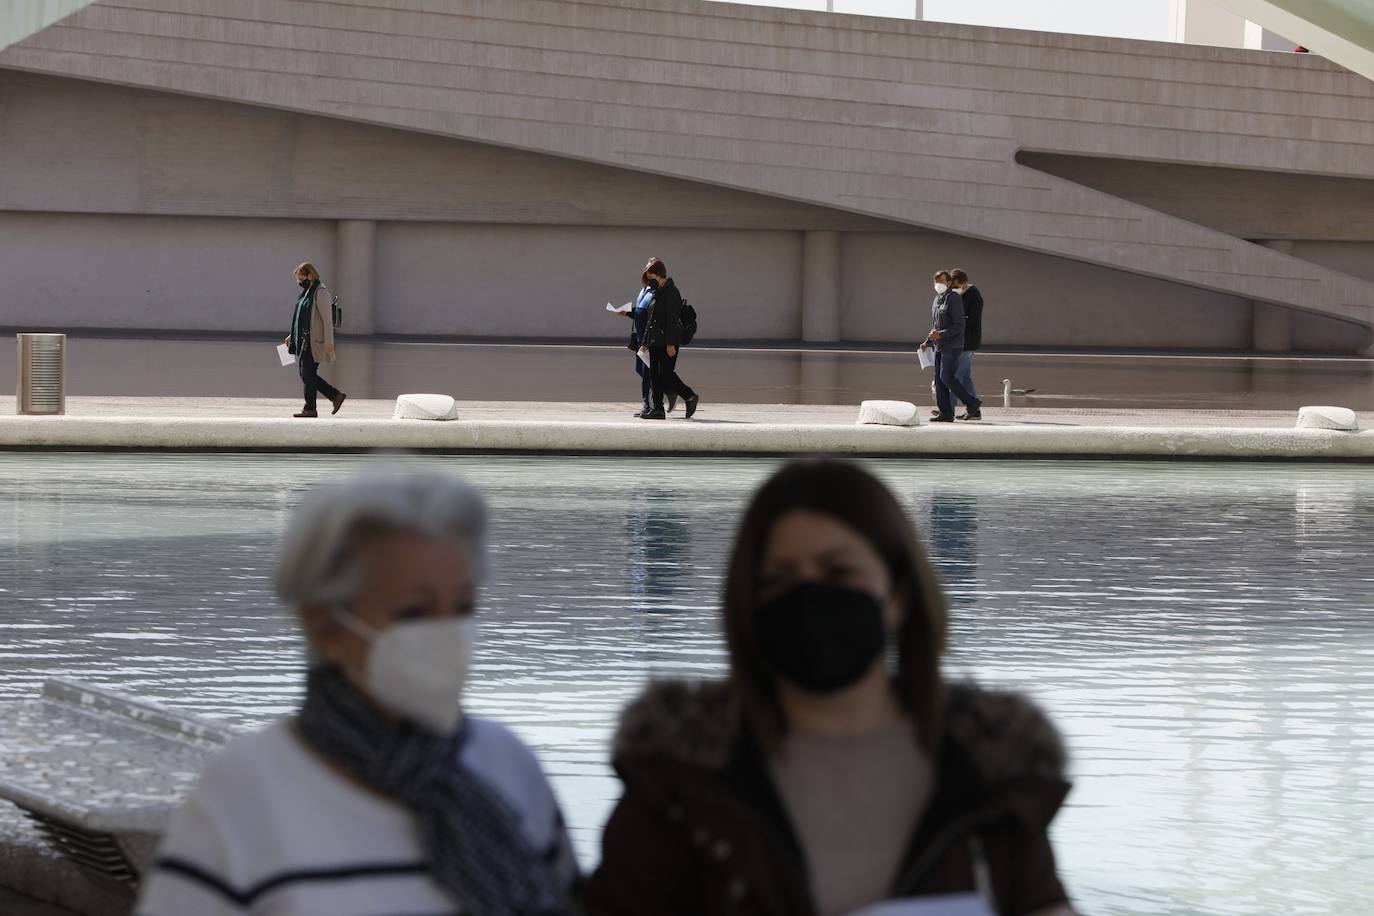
x=312, y=337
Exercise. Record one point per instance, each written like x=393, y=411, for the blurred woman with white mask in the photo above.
x=380, y=795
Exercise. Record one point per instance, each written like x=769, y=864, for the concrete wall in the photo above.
x=64, y=271
x=1203, y=22
x=1320, y=333
x=124, y=208
x=1037, y=300
x=910, y=122
x=1354, y=258
x=1031, y=299
x=157, y=273
x=544, y=281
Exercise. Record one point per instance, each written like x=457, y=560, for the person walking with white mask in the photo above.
x=947, y=337
x=380, y=795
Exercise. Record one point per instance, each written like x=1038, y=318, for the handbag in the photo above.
x=335, y=309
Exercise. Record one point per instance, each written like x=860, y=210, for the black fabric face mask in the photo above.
x=305, y=284
x=822, y=638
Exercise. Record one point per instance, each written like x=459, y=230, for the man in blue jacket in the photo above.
x=640, y=316
x=947, y=337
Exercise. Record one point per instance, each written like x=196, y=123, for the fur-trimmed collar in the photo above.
x=1006, y=736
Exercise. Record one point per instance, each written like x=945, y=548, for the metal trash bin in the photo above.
x=42, y=374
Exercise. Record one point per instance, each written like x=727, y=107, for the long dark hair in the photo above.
x=851, y=495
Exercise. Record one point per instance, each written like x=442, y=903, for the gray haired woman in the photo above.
x=380, y=795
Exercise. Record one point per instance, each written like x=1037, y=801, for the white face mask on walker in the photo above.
x=417, y=669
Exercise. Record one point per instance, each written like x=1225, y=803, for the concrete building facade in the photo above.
x=1207, y=22
x=479, y=169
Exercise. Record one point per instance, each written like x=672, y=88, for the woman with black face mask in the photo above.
x=834, y=768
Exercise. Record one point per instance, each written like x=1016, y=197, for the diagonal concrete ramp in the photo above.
x=21, y=18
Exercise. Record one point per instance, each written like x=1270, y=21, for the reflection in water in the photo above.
x=657, y=537
x=952, y=536
x=1203, y=633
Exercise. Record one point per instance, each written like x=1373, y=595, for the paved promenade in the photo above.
x=226, y=424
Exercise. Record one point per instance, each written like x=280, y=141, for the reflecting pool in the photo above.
x=1203, y=633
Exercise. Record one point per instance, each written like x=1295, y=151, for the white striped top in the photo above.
x=271, y=830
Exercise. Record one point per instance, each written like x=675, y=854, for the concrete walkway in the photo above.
x=264, y=424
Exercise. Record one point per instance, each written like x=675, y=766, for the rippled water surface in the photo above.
x=1203, y=633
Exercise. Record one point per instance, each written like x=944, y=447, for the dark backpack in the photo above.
x=688, y=319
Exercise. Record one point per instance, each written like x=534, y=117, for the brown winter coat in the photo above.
x=700, y=830
x=322, y=326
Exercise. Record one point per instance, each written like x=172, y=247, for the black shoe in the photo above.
x=643, y=410
x=306, y=414
x=973, y=413
x=942, y=418
x=338, y=402
x=672, y=403
x=935, y=413
x=692, y=403
x=654, y=415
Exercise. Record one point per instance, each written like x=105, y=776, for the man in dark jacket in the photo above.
x=662, y=336
x=947, y=337
x=973, y=329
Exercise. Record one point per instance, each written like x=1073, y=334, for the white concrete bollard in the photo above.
x=425, y=407
x=1339, y=418
x=889, y=413
x=1006, y=393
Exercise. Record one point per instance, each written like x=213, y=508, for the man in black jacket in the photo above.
x=662, y=336
x=973, y=333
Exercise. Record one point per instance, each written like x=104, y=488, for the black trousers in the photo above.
x=663, y=378
x=310, y=375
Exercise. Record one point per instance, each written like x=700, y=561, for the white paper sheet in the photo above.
x=284, y=354
x=946, y=905
x=927, y=357
x=644, y=357
x=623, y=310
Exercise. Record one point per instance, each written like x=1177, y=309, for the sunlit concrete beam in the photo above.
x=21, y=18
x=1339, y=30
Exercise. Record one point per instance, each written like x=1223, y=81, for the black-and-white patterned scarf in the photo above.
x=471, y=835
